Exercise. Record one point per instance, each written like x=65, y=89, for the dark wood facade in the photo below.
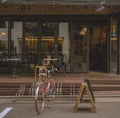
x=21, y=9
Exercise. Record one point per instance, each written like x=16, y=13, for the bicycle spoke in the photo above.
x=39, y=100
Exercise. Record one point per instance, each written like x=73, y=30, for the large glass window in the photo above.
x=31, y=39
x=3, y=45
x=113, y=45
x=55, y=43
x=47, y=39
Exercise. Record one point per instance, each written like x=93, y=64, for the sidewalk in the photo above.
x=106, y=106
x=104, y=110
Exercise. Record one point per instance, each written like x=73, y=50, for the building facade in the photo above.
x=84, y=36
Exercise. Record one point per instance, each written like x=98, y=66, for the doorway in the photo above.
x=79, y=47
x=98, y=45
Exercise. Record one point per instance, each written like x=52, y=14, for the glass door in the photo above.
x=80, y=63
x=98, y=45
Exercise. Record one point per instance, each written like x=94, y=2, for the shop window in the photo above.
x=3, y=46
x=113, y=46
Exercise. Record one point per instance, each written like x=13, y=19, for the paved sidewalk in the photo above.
x=104, y=110
x=107, y=107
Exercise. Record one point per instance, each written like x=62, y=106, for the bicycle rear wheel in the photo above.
x=39, y=100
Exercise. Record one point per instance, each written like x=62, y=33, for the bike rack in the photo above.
x=21, y=91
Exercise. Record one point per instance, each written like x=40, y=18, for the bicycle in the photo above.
x=45, y=87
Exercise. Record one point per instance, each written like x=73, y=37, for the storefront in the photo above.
x=82, y=43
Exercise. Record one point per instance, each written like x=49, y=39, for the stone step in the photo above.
x=70, y=84
x=66, y=89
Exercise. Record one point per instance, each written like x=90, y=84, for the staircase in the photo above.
x=99, y=87
x=12, y=89
x=102, y=85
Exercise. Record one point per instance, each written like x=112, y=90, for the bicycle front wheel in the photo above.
x=39, y=100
